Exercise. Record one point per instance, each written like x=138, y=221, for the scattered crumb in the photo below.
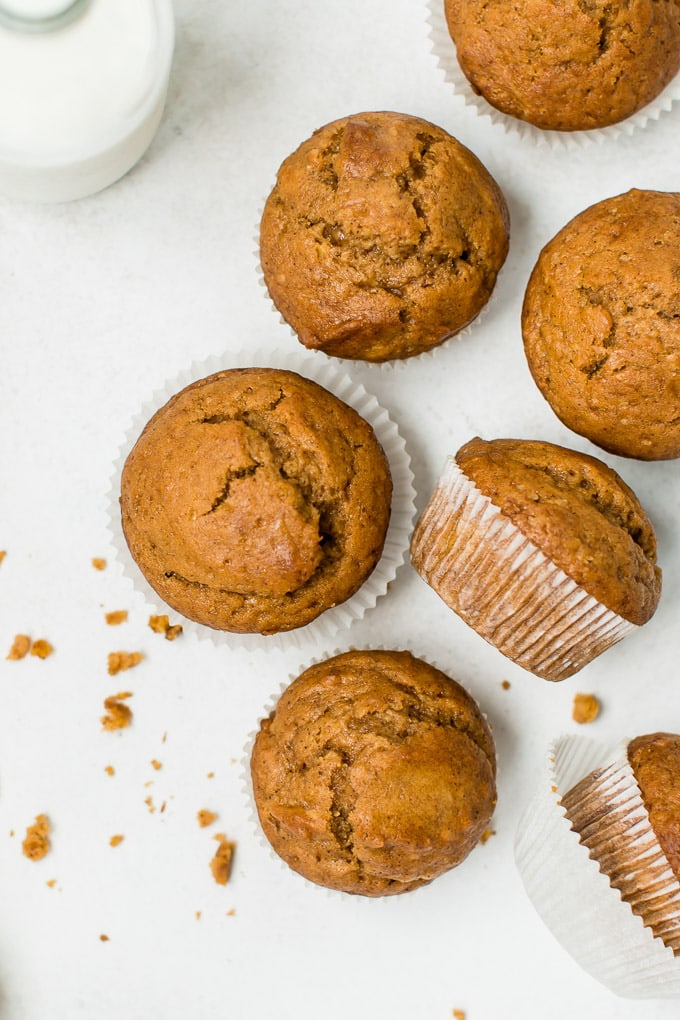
x=36, y=843
x=458, y=1014
x=20, y=647
x=11, y=832
x=231, y=912
x=98, y=563
x=220, y=865
x=149, y=803
x=119, y=661
x=210, y=775
x=486, y=835
x=156, y=764
x=161, y=625
x=164, y=738
x=116, y=840
x=2, y=555
x=198, y=915
x=553, y=789
x=110, y=771
x=51, y=882
x=41, y=648
x=118, y=715
x=103, y=938
x=116, y=616
x=163, y=806
x=505, y=684
x=149, y=782
x=206, y=817
x=586, y=708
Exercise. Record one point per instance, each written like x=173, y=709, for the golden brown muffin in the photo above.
x=374, y=774
x=254, y=500
x=601, y=324
x=563, y=64
x=655, y=761
x=558, y=571
x=382, y=236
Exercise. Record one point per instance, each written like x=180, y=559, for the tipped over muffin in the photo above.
x=382, y=236
x=254, y=500
x=374, y=774
x=544, y=551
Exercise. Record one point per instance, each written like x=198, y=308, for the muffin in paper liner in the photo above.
x=503, y=586
x=339, y=617
x=567, y=873
x=444, y=51
x=247, y=782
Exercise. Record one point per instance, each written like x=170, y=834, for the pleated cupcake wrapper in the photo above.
x=574, y=897
x=338, y=618
x=504, y=587
x=444, y=51
x=246, y=777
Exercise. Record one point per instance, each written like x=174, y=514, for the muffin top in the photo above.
x=601, y=324
x=578, y=512
x=374, y=774
x=382, y=236
x=655, y=761
x=563, y=64
x=254, y=500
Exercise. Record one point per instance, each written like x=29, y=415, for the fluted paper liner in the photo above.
x=444, y=51
x=574, y=897
x=339, y=617
x=504, y=587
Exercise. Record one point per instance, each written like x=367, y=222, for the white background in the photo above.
x=100, y=302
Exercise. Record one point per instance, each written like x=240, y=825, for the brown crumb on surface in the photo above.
x=50, y=883
x=150, y=804
x=458, y=1014
x=586, y=708
x=231, y=912
x=119, y=661
x=116, y=616
x=2, y=555
x=505, y=684
x=156, y=764
x=20, y=647
x=210, y=775
x=36, y=843
x=118, y=714
x=110, y=771
x=41, y=648
x=116, y=840
x=198, y=915
x=161, y=625
x=206, y=817
x=98, y=563
x=486, y=835
x=103, y=938
x=220, y=865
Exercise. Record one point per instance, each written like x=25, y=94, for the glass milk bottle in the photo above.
x=82, y=90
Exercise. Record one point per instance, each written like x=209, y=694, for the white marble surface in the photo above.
x=104, y=299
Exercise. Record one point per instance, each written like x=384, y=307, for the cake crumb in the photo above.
x=586, y=708
x=41, y=648
x=161, y=625
x=156, y=764
x=99, y=563
x=231, y=912
x=486, y=835
x=20, y=647
x=198, y=915
x=220, y=865
x=116, y=616
x=210, y=775
x=109, y=769
x=458, y=1014
x=36, y=843
x=103, y=938
x=118, y=715
x=206, y=817
x=119, y=661
x=116, y=840
x=505, y=684
x=2, y=555
x=150, y=804
x=50, y=883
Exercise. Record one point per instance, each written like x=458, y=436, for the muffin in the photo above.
x=254, y=500
x=382, y=236
x=597, y=850
x=543, y=551
x=374, y=774
x=601, y=324
x=567, y=66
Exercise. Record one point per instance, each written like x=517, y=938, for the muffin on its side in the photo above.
x=601, y=324
x=254, y=500
x=545, y=552
x=374, y=774
x=382, y=236
x=567, y=66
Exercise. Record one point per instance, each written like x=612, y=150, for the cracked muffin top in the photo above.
x=601, y=324
x=567, y=65
x=382, y=236
x=254, y=500
x=578, y=512
x=374, y=774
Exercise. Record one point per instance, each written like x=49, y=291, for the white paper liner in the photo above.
x=247, y=781
x=503, y=586
x=444, y=51
x=574, y=898
x=340, y=617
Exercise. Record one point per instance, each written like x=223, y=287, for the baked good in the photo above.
x=382, y=236
x=374, y=774
x=544, y=551
x=565, y=65
x=601, y=324
x=254, y=500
